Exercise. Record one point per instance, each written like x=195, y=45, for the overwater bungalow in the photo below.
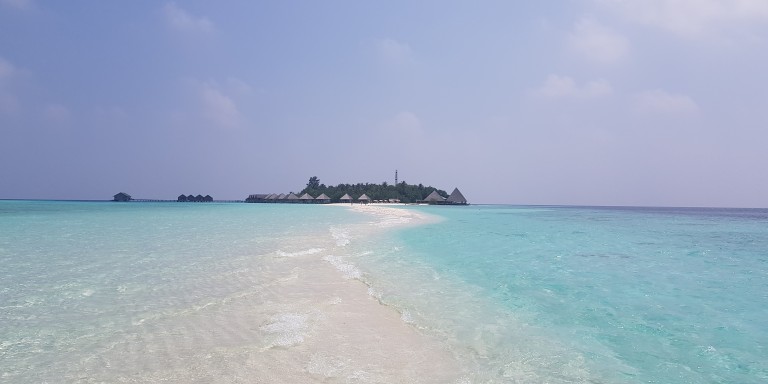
x=306, y=198
x=323, y=199
x=182, y=198
x=208, y=198
x=364, y=199
x=191, y=198
x=256, y=198
x=122, y=196
x=434, y=198
x=346, y=198
x=456, y=198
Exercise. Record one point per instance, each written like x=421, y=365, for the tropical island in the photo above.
x=316, y=192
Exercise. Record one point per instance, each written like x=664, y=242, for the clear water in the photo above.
x=619, y=295
x=143, y=292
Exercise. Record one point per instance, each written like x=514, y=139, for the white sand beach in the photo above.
x=342, y=333
x=314, y=321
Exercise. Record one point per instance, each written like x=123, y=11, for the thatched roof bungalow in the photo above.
x=292, y=198
x=256, y=198
x=456, y=198
x=208, y=198
x=434, y=198
x=346, y=198
x=323, y=199
x=364, y=199
x=306, y=198
x=122, y=196
x=182, y=198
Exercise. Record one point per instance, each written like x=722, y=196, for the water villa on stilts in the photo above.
x=122, y=196
x=290, y=198
x=306, y=198
x=455, y=198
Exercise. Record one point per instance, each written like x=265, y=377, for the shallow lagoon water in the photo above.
x=143, y=292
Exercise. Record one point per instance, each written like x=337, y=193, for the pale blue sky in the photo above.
x=598, y=102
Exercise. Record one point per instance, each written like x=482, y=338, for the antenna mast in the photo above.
x=395, y=176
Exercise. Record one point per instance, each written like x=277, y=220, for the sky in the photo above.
x=572, y=102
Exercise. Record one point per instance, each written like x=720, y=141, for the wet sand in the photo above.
x=302, y=314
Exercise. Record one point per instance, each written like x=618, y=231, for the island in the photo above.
x=317, y=193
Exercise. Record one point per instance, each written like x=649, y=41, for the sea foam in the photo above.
x=287, y=329
x=349, y=270
x=305, y=252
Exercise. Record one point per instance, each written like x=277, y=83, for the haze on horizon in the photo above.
x=579, y=102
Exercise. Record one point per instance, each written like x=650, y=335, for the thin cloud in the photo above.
x=597, y=43
x=6, y=69
x=392, y=52
x=182, y=20
x=238, y=87
x=660, y=101
x=218, y=107
x=404, y=124
x=564, y=87
x=692, y=18
x=18, y=4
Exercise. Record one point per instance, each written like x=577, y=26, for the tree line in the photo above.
x=406, y=193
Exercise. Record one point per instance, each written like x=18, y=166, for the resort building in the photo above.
x=257, y=198
x=456, y=198
x=323, y=199
x=434, y=198
x=306, y=198
x=194, y=199
x=122, y=196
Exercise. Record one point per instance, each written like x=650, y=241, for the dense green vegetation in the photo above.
x=406, y=193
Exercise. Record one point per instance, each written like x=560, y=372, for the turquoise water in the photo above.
x=94, y=291
x=145, y=292
x=624, y=295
